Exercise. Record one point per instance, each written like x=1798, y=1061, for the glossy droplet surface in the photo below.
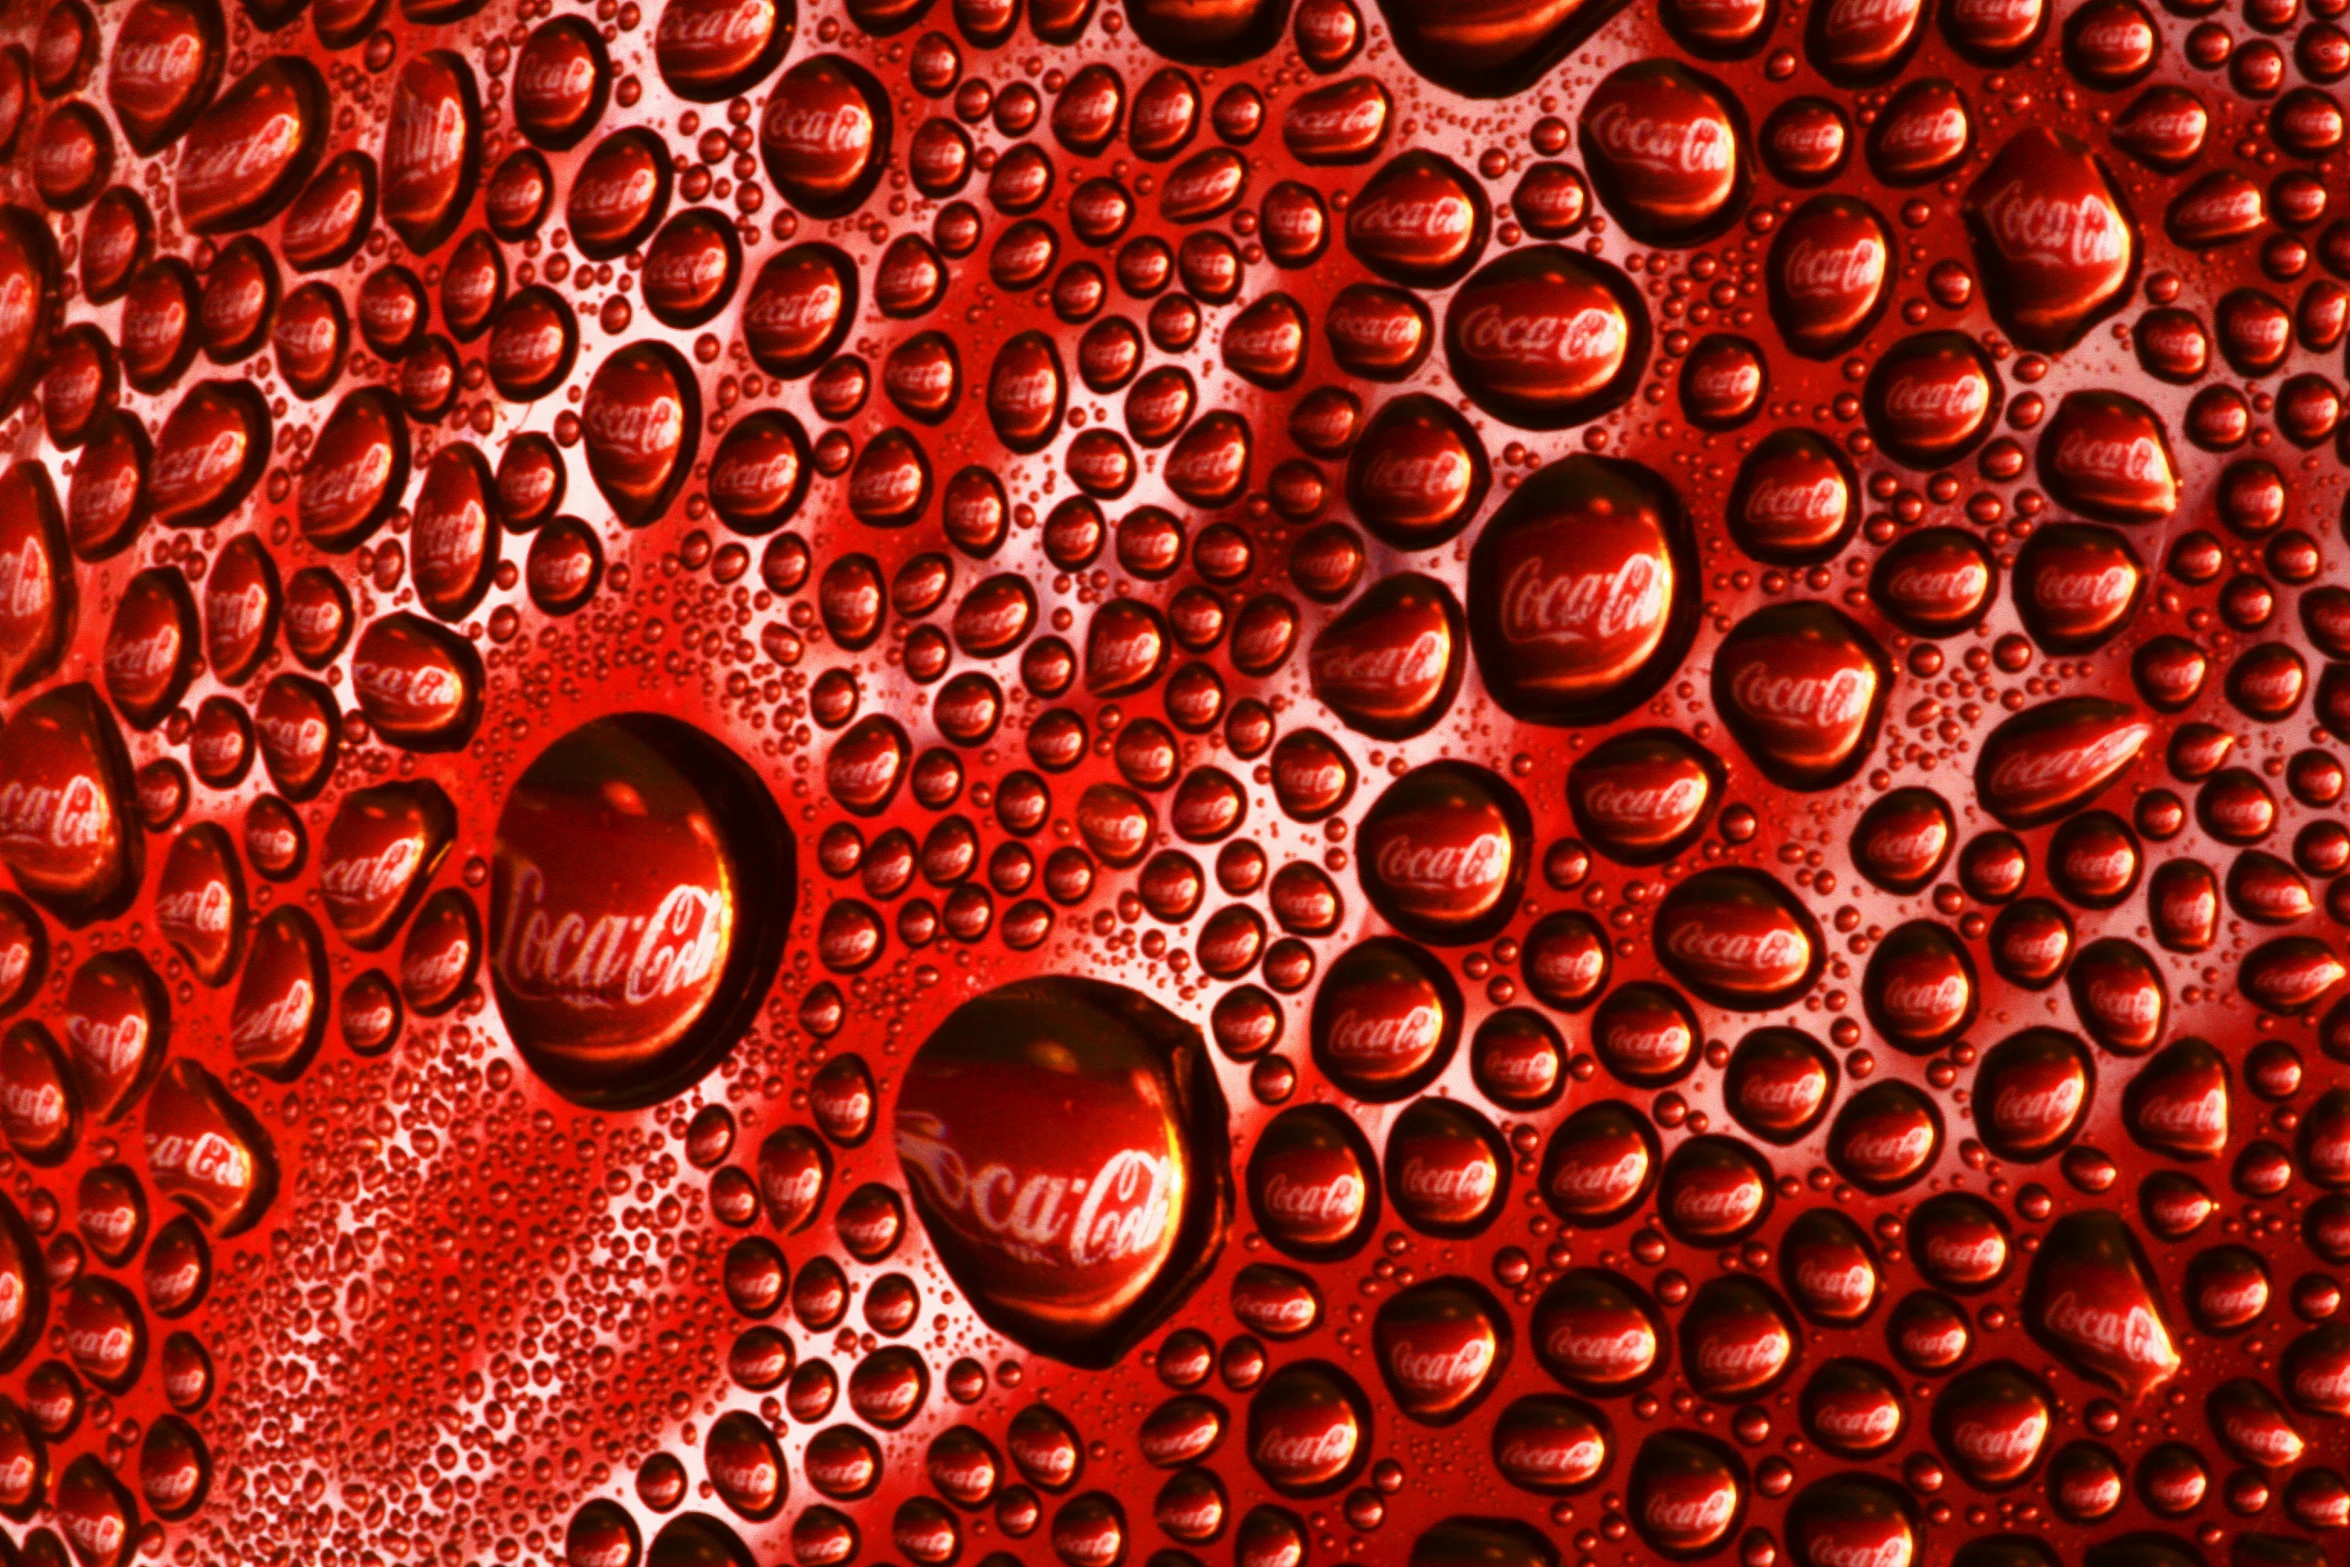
x=1630, y=939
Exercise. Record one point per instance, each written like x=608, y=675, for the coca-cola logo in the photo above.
x=317, y=224
x=1725, y=380
x=213, y=166
x=1927, y=132
x=102, y=492
x=1691, y=1517
x=1866, y=18
x=1024, y=393
x=743, y=479
x=1441, y=1371
x=111, y=1223
x=2001, y=1444
x=1832, y=1550
x=744, y=1478
x=805, y=305
x=1552, y=1455
x=2165, y=123
x=154, y=68
x=411, y=688
x=2321, y=1386
x=1442, y=220
x=36, y=1106
x=1955, y=401
x=2219, y=208
x=202, y=910
x=1660, y=1046
x=1198, y=186
x=2059, y=769
x=1211, y=465
x=331, y=488
x=1966, y=1256
x=1914, y=846
x=1383, y=665
x=1046, y=1454
x=1859, y=1423
x=1579, y=1183
x=2129, y=459
x=1285, y=1309
x=1292, y=222
x=1462, y=1183
x=793, y=1191
x=649, y=426
x=435, y=969
x=307, y=337
x=556, y=81
x=2200, y=1116
x=136, y=661
x=1687, y=145
x=446, y=539
x=98, y=1534
x=1119, y=1211
x=151, y=334
x=1405, y=473
x=1590, y=341
x=1758, y=953
x=707, y=28
x=2272, y=1440
x=2111, y=36
x=1602, y=1356
x=1807, y=505
x=1925, y=1000
x=358, y=880
x=2098, y=589
x=426, y=141
x=1270, y=340
x=1650, y=806
x=1892, y=1148
x=1527, y=1071
x=276, y=1022
x=1725, y=1205
x=1847, y=1285
x=1317, y=1204
x=1579, y=609
x=1804, y=140
x=72, y=815
x=1193, y=1521
x=201, y=465
x=841, y=1472
x=207, y=1158
x=1384, y=1036
x=229, y=305
x=27, y=587
x=922, y=379
x=2118, y=997
x=2130, y=1333
x=598, y=960
x=1476, y=865
x=1371, y=326
x=1347, y=119
x=885, y=488
x=2017, y=1108
x=233, y=614
x=1308, y=1452
x=623, y=194
x=1765, y=688
x=1728, y=1361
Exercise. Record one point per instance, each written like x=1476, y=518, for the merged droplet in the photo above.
x=1071, y=1247
x=624, y=971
